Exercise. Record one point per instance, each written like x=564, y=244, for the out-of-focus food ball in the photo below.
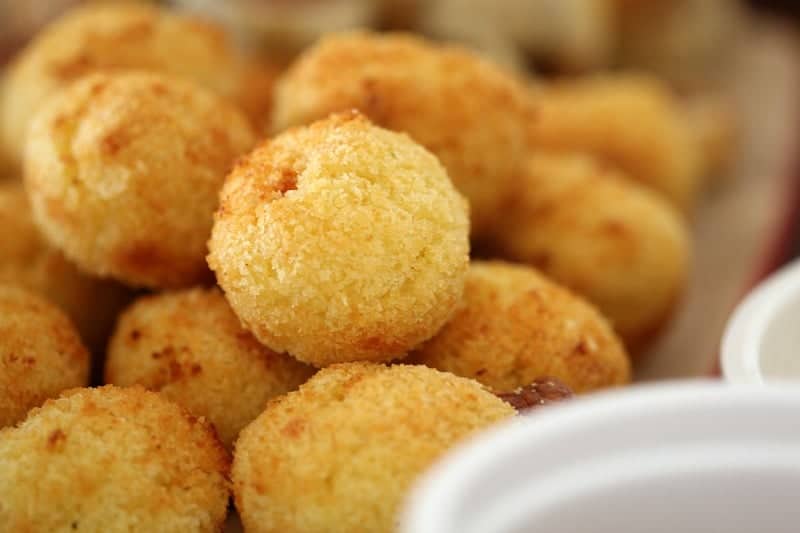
x=112, y=459
x=41, y=355
x=191, y=348
x=471, y=114
x=341, y=453
x=616, y=243
x=631, y=122
x=27, y=260
x=112, y=36
x=514, y=326
x=123, y=172
x=341, y=241
x=716, y=132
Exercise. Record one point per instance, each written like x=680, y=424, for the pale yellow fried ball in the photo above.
x=616, y=243
x=340, y=454
x=41, y=355
x=191, y=348
x=115, y=460
x=470, y=113
x=26, y=259
x=123, y=171
x=631, y=122
x=111, y=36
x=515, y=326
x=341, y=241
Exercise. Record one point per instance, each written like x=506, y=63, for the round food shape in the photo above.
x=191, y=348
x=28, y=260
x=340, y=454
x=123, y=171
x=633, y=123
x=472, y=114
x=41, y=354
x=514, y=326
x=112, y=459
x=340, y=242
x=121, y=35
x=614, y=242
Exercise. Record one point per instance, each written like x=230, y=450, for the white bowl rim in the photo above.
x=432, y=504
x=741, y=342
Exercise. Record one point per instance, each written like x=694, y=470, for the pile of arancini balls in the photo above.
x=349, y=340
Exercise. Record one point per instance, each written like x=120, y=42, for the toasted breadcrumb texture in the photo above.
x=341, y=453
x=115, y=460
x=191, y=348
x=630, y=122
x=28, y=260
x=621, y=246
x=112, y=36
x=41, y=354
x=469, y=112
x=123, y=171
x=341, y=241
x=514, y=326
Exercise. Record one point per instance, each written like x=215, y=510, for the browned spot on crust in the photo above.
x=615, y=229
x=56, y=439
x=196, y=369
x=72, y=67
x=138, y=30
x=287, y=181
x=541, y=392
x=111, y=143
x=158, y=88
x=294, y=428
x=135, y=335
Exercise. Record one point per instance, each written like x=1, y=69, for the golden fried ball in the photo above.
x=515, y=326
x=115, y=460
x=473, y=115
x=341, y=241
x=123, y=171
x=28, y=260
x=614, y=242
x=41, y=355
x=112, y=36
x=340, y=454
x=631, y=122
x=190, y=347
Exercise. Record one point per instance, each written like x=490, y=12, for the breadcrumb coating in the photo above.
x=41, y=355
x=123, y=171
x=514, y=326
x=472, y=114
x=631, y=122
x=621, y=246
x=191, y=348
x=114, y=460
x=28, y=260
x=340, y=454
x=341, y=241
x=110, y=36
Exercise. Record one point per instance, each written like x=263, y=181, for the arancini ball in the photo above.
x=341, y=241
x=631, y=122
x=616, y=243
x=472, y=114
x=190, y=347
x=340, y=454
x=123, y=171
x=114, y=460
x=41, y=355
x=515, y=326
x=26, y=259
x=112, y=36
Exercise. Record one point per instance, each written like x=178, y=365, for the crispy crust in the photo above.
x=41, y=354
x=340, y=241
x=344, y=449
x=515, y=326
x=112, y=459
x=123, y=172
x=471, y=114
x=191, y=348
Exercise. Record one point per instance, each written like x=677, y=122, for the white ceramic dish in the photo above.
x=699, y=457
x=762, y=339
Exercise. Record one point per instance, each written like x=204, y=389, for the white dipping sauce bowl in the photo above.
x=692, y=457
x=762, y=339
